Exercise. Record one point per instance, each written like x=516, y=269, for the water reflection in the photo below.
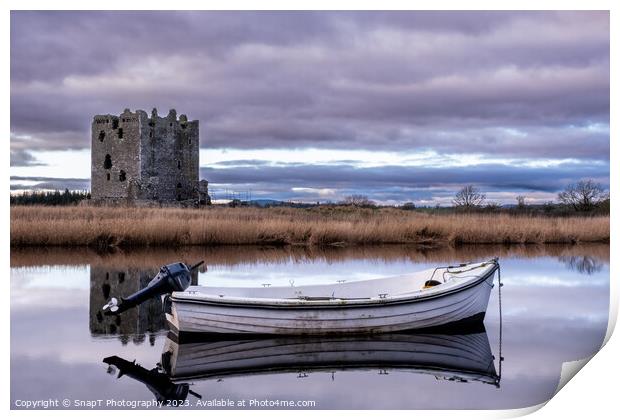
x=462, y=357
x=585, y=264
x=555, y=309
x=164, y=390
x=134, y=324
x=229, y=256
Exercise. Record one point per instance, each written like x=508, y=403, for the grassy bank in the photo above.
x=126, y=227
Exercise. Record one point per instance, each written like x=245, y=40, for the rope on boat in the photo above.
x=501, y=358
x=456, y=277
x=501, y=321
x=464, y=270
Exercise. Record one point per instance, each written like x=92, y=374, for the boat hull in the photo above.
x=187, y=316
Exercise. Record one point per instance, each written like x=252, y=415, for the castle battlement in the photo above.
x=135, y=157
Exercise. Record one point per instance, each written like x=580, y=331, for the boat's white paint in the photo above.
x=461, y=357
x=370, y=306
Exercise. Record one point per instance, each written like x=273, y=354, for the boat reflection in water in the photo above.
x=461, y=357
x=164, y=390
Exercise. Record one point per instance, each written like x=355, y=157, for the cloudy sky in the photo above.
x=398, y=106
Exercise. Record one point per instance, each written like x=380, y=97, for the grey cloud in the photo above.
x=382, y=81
x=23, y=158
x=68, y=42
x=397, y=183
x=49, y=183
x=242, y=162
x=329, y=176
x=45, y=178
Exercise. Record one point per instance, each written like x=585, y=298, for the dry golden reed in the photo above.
x=126, y=227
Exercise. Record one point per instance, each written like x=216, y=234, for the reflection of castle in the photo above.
x=136, y=323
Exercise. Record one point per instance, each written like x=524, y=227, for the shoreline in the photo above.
x=248, y=254
x=126, y=228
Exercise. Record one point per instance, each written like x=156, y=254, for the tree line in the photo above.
x=49, y=198
x=583, y=197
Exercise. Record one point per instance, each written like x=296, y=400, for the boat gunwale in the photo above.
x=296, y=304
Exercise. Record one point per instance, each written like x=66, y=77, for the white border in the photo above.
x=593, y=394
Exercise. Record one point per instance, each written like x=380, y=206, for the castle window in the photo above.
x=114, y=123
x=170, y=124
x=122, y=176
x=121, y=277
x=178, y=197
x=151, y=134
x=190, y=141
x=105, y=288
x=101, y=135
x=179, y=185
x=107, y=163
x=108, y=176
x=120, y=133
x=178, y=164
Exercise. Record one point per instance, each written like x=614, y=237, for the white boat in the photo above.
x=429, y=298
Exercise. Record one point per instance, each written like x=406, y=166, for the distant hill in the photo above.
x=265, y=202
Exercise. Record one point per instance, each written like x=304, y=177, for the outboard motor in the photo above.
x=174, y=277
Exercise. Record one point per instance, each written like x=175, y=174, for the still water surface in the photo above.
x=554, y=309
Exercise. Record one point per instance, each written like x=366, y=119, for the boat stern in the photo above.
x=171, y=315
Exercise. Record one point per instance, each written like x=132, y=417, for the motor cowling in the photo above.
x=174, y=277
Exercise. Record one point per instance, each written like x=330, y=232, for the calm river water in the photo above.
x=555, y=306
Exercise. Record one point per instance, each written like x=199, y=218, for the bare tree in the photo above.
x=521, y=201
x=358, y=201
x=583, y=196
x=468, y=197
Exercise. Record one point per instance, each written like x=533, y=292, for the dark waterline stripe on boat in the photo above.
x=471, y=325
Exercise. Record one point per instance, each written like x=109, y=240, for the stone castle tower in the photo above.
x=136, y=159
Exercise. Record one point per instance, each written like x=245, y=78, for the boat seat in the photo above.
x=430, y=283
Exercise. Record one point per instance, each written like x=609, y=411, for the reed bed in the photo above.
x=129, y=227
